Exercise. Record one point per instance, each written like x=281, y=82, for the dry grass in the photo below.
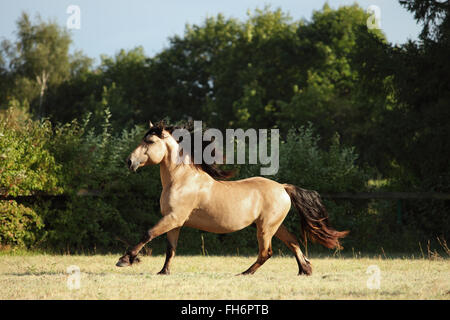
x=197, y=277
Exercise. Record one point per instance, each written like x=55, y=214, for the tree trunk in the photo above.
x=42, y=81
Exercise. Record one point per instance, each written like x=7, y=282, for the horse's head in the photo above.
x=151, y=150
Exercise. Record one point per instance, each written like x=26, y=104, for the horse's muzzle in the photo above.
x=132, y=165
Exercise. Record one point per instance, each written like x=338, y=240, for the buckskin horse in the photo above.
x=198, y=196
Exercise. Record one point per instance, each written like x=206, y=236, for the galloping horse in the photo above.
x=192, y=197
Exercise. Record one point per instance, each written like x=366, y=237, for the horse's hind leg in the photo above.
x=265, y=249
x=172, y=240
x=304, y=266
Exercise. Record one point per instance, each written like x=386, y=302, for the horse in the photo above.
x=200, y=196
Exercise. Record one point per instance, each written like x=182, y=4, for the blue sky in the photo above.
x=108, y=26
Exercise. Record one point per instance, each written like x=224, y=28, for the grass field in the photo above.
x=211, y=277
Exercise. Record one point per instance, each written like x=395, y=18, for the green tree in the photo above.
x=121, y=83
x=39, y=59
x=414, y=126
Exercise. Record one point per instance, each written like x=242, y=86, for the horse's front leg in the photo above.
x=167, y=223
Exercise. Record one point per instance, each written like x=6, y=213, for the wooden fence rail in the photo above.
x=387, y=195
x=335, y=195
x=398, y=196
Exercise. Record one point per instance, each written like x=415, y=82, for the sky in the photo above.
x=106, y=26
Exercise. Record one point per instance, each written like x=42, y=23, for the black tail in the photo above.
x=314, y=217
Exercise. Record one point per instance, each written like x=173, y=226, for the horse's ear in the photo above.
x=150, y=124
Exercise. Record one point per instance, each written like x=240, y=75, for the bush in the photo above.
x=19, y=225
x=96, y=161
x=37, y=157
x=303, y=163
x=77, y=156
x=26, y=165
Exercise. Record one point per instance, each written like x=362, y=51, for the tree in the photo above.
x=433, y=14
x=416, y=124
x=38, y=59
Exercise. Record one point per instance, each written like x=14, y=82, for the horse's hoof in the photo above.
x=306, y=270
x=164, y=272
x=122, y=264
x=127, y=260
x=136, y=260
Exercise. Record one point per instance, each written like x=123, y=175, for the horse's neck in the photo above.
x=171, y=173
x=166, y=174
x=175, y=173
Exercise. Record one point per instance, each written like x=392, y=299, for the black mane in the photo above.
x=212, y=169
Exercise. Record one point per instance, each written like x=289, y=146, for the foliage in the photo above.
x=38, y=60
x=38, y=158
x=305, y=164
x=26, y=165
x=19, y=225
x=416, y=119
x=362, y=95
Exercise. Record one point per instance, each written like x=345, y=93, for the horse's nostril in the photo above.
x=129, y=163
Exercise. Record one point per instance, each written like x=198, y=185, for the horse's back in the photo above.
x=270, y=190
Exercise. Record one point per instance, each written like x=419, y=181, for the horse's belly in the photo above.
x=223, y=222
